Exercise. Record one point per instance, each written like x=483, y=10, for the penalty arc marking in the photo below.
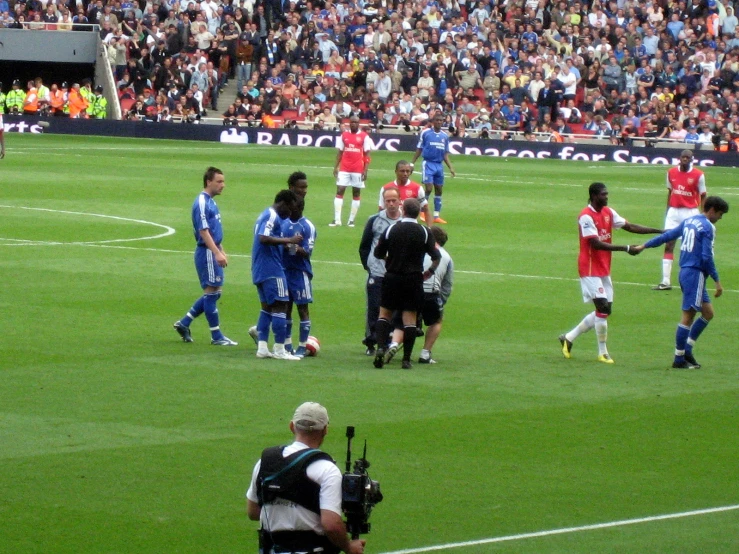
x=167, y=229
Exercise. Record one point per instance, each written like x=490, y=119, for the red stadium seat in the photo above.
x=127, y=103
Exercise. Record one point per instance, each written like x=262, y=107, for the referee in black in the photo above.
x=403, y=247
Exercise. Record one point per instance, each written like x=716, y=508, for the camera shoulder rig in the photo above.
x=284, y=477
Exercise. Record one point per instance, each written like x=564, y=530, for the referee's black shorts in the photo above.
x=402, y=292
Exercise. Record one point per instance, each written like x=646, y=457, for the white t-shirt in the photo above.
x=569, y=81
x=287, y=516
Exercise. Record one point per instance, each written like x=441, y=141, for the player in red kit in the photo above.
x=596, y=223
x=352, y=163
x=686, y=191
x=407, y=188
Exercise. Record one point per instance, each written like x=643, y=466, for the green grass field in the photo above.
x=116, y=437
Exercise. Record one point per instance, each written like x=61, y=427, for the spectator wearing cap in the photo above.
x=100, y=104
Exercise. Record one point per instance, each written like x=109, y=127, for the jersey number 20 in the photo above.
x=688, y=241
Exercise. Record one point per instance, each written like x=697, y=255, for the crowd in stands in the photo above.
x=77, y=101
x=619, y=69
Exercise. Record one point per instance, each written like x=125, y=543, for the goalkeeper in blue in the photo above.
x=696, y=263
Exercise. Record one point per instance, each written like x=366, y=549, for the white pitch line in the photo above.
x=566, y=530
x=319, y=261
x=168, y=230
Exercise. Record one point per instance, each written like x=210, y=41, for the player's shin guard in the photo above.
x=699, y=325
x=354, y=209
x=263, y=323
x=194, y=312
x=437, y=205
x=681, y=339
x=601, y=331
x=338, y=205
x=211, y=314
x=409, y=339
x=304, y=332
x=667, y=268
x=278, y=327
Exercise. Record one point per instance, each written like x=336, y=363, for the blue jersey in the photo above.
x=205, y=215
x=308, y=230
x=434, y=146
x=266, y=259
x=696, y=249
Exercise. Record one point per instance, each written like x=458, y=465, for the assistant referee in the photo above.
x=403, y=246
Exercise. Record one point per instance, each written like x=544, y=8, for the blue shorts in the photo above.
x=209, y=272
x=693, y=285
x=433, y=173
x=273, y=290
x=299, y=287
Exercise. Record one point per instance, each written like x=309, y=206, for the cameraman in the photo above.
x=305, y=516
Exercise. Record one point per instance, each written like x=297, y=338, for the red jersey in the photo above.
x=354, y=147
x=685, y=187
x=592, y=262
x=409, y=190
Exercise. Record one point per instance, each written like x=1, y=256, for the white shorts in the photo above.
x=353, y=180
x=596, y=287
x=675, y=216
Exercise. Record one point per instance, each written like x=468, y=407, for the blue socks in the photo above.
x=437, y=204
x=263, y=323
x=304, y=332
x=681, y=339
x=699, y=325
x=194, y=312
x=279, y=324
x=211, y=314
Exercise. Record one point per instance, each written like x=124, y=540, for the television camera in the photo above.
x=359, y=493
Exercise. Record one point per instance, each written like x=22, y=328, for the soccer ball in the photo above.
x=312, y=346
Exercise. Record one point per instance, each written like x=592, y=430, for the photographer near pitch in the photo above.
x=296, y=492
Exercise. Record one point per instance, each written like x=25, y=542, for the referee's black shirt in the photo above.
x=405, y=245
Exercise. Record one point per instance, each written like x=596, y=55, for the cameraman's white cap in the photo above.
x=310, y=416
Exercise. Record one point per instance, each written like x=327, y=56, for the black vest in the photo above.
x=286, y=478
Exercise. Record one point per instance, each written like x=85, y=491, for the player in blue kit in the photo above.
x=696, y=263
x=210, y=259
x=268, y=273
x=299, y=273
x=433, y=147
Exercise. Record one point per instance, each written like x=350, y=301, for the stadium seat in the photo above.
x=127, y=103
x=577, y=128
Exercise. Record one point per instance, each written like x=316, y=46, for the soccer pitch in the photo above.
x=117, y=437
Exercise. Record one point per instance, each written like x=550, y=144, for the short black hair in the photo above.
x=595, y=189
x=210, y=174
x=295, y=177
x=717, y=203
x=286, y=196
